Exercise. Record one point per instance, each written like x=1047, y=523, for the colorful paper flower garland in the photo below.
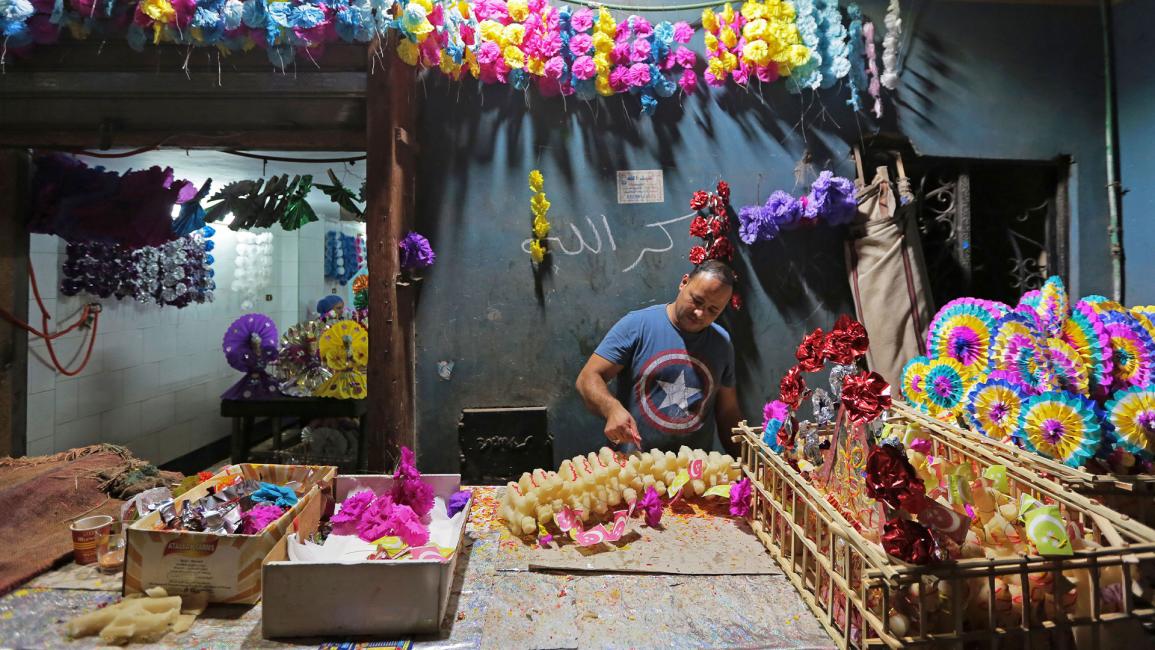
x=539, y=208
x=831, y=201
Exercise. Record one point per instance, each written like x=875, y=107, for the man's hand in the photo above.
x=621, y=428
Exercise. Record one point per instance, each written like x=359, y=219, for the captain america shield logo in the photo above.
x=672, y=390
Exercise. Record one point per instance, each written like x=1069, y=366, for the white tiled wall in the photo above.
x=156, y=374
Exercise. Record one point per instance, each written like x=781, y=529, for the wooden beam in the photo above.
x=390, y=114
x=270, y=140
x=14, y=179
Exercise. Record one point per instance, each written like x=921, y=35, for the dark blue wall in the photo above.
x=1134, y=52
x=981, y=80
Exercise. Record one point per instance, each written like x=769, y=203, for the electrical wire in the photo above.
x=231, y=152
x=90, y=311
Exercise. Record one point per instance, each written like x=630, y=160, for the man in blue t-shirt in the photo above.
x=678, y=388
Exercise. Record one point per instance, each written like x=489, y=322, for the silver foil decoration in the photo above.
x=823, y=407
x=837, y=375
x=298, y=369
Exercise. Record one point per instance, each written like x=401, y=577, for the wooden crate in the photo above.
x=1132, y=496
x=851, y=584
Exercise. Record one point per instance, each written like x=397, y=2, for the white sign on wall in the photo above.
x=641, y=186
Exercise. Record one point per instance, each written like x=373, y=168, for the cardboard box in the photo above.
x=369, y=597
x=227, y=566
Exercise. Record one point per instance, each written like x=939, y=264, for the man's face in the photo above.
x=700, y=302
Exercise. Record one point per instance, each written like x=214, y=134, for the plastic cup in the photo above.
x=88, y=534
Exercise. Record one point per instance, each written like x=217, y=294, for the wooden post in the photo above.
x=390, y=93
x=14, y=170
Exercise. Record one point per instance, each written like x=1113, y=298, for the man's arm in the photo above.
x=592, y=385
x=727, y=414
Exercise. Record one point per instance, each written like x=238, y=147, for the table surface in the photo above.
x=491, y=607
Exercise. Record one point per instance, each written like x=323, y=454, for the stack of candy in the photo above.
x=234, y=505
x=587, y=487
x=1072, y=382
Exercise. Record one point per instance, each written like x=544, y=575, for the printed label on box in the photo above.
x=641, y=186
x=210, y=566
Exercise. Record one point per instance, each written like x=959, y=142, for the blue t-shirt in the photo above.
x=670, y=377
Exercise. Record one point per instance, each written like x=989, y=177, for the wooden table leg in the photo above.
x=235, y=443
x=246, y=437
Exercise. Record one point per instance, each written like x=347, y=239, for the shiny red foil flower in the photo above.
x=865, y=395
x=810, y=353
x=791, y=388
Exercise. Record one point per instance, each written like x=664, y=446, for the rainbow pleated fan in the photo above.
x=962, y=330
x=1062, y=426
x=1132, y=413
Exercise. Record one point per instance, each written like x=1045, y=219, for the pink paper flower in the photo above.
x=640, y=52
x=685, y=57
x=622, y=33
x=555, y=68
x=580, y=44
x=638, y=75
x=582, y=20
x=688, y=81
x=683, y=33
x=652, y=503
x=620, y=53
x=740, y=498
x=408, y=488
x=642, y=27
x=584, y=68
x=488, y=53
x=385, y=518
x=258, y=518
x=352, y=508
x=618, y=78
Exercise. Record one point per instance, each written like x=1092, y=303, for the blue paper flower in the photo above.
x=277, y=495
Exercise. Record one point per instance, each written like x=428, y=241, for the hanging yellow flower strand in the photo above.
x=539, y=206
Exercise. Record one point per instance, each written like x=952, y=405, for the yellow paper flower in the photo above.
x=711, y=41
x=753, y=10
x=539, y=205
x=755, y=29
x=536, y=66
x=159, y=10
x=602, y=83
x=449, y=67
x=408, y=51
x=471, y=61
x=540, y=227
x=799, y=55
x=536, y=251
x=729, y=38
x=716, y=68
x=709, y=20
x=603, y=43
x=729, y=61
x=518, y=10
x=426, y=4
x=536, y=181
x=756, y=52
x=727, y=14
x=786, y=11
x=513, y=34
x=606, y=22
x=602, y=61
x=490, y=30
x=514, y=57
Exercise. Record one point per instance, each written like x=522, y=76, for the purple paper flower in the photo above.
x=416, y=253
x=740, y=498
x=783, y=209
x=457, y=502
x=833, y=198
x=651, y=502
x=754, y=225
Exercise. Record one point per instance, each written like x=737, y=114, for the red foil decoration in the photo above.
x=791, y=388
x=847, y=341
x=908, y=541
x=891, y=479
x=809, y=353
x=698, y=200
x=697, y=255
x=866, y=395
x=724, y=190
x=698, y=227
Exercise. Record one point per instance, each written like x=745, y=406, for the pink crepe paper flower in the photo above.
x=467, y=34
x=767, y=73
x=622, y=33
x=652, y=504
x=385, y=518
x=437, y=16
x=554, y=68
x=688, y=81
x=711, y=80
x=642, y=27
x=618, y=79
x=582, y=20
x=258, y=518
x=740, y=498
x=640, y=52
x=638, y=75
x=352, y=508
x=620, y=53
x=741, y=75
x=488, y=53
x=408, y=488
x=685, y=57
x=584, y=68
x=580, y=44
x=683, y=33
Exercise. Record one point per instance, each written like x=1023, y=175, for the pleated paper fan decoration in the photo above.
x=1068, y=366
x=946, y=384
x=1132, y=354
x=994, y=407
x=344, y=349
x=250, y=345
x=1054, y=305
x=962, y=330
x=913, y=381
x=1062, y=426
x=1132, y=413
x=298, y=369
x=1085, y=331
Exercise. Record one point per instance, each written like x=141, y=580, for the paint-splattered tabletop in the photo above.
x=495, y=605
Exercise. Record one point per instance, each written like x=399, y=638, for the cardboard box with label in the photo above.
x=360, y=597
x=228, y=567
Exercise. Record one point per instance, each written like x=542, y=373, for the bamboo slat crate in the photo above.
x=1129, y=495
x=851, y=584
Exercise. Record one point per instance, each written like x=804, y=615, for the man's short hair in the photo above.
x=718, y=270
